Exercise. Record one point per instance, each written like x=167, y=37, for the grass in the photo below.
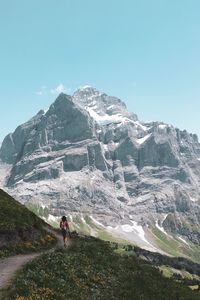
x=194, y=287
x=89, y=227
x=166, y=243
x=80, y=225
x=15, y=215
x=38, y=210
x=21, y=231
x=102, y=233
x=166, y=271
x=175, y=247
x=91, y=269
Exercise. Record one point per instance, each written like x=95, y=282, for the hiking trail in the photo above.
x=10, y=265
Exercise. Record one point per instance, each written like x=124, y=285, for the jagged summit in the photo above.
x=87, y=89
x=103, y=108
x=86, y=93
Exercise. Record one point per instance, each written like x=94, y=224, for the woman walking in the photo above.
x=64, y=226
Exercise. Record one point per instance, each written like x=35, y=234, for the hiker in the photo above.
x=64, y=226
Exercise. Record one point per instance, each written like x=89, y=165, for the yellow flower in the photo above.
x=49, y=238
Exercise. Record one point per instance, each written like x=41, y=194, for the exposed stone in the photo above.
x=88, y=153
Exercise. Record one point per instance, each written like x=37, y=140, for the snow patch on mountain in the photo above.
x=193, y=199
x=160, y=227
x=162, y=126
x=142, y=140
x=52, y=218
x=183, y=240
x=140, y=231
x=107, y=119
x=143, y=127
x=95, y=221
x=127, y=228
x=85, y=87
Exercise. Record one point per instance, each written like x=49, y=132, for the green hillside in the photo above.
x=94, y=269
x=91, y=268
x=21, y=231
x=170, y=244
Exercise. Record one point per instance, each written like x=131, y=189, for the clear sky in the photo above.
x=146, y=52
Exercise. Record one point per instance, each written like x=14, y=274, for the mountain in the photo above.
x=21, y=231
x=87, y=154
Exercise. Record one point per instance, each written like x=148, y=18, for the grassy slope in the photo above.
x=91, y=269
x=173, y=246
x=20, y=230
x=85, y=225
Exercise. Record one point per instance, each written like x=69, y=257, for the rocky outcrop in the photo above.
x=64, y=122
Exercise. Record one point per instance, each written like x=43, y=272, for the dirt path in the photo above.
x=10, y=265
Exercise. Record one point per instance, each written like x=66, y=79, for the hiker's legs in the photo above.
x=67, y=237
x=64, y=236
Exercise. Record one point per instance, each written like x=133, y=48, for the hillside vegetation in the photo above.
x=21, y=231
x=94, y=269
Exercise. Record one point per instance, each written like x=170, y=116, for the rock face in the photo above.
x=88, y=153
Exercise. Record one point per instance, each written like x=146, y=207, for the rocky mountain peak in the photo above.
x=89, y=153
x=62, y=104
x=62, y=99
x=85, y=95
x=87, y=91
x=101, y=107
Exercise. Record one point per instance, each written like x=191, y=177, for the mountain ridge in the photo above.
x=88, y=153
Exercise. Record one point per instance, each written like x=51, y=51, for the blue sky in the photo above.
x=146, y=52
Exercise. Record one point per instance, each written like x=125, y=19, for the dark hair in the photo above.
x=64, y=219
